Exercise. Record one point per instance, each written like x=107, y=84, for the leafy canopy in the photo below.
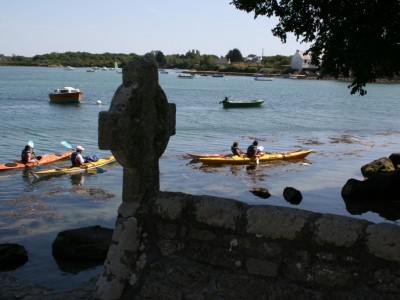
x=350, y=38
x=234, y=55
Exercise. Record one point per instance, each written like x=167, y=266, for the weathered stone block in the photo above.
x=262, y=267
x=297, y=270
x=383, y=241
x=338, y=230
x=169, y=248
x=169, y=206
x=218, y=212
x=187, y=275
x=334, y=276
x=276, y=222
x=231, y=286
x=269, y=249
x=202, y=235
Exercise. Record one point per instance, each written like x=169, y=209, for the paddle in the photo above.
x=66, y=144
x=32, y=144
x=98, y=169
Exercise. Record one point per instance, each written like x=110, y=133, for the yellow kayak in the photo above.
x=73, y=170
x=235, y=159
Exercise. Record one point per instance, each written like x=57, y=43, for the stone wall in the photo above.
x=177, y=246
x=200, y=247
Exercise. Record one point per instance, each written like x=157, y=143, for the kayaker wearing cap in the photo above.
x=77, y=159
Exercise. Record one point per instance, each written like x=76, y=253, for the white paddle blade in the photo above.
x=66, y=144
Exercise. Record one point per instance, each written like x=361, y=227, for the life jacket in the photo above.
x=250, y=150
x=74, y=159
x=24, y=155
x=236, y=150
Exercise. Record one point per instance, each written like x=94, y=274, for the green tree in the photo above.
x=234, y=55
x=160, y=58
x=358, y=38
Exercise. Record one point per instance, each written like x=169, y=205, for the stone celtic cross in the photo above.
x=136, y=129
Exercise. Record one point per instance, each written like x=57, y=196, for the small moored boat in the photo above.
x=263, y=78
x=241, y=103
x=186, y=76
x=66, y=95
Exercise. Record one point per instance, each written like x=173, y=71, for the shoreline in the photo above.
x=13, y=288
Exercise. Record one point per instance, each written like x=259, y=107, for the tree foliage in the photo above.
x=234, y=55
x=350, y=38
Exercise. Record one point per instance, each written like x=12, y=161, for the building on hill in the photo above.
x=252, y=58
x=222, y=61
x=302, y=62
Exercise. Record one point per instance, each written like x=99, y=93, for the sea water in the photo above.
x=346, y=131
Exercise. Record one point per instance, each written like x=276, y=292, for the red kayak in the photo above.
x=42, y=159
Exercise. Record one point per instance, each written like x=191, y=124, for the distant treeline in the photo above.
x=191, y=60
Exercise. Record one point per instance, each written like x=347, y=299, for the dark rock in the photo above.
x=12, y=256
x=292, y=195
x=87, y=244
x=382, y=164
x=383, y=186
x=261, y=192
x=395, y=158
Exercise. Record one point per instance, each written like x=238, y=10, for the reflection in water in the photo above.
x=390, y=210
x=77, y=179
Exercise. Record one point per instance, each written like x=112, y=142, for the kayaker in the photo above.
x=236, y=150
x=77, y=159
x=26, y=155
x=252, y=150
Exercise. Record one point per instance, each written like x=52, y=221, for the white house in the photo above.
x=301, y=60
x=252, y=58
x=222, y=61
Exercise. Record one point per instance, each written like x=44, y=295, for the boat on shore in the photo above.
x=236, y=160
x=66, y=95
x=263, y=78
x=73, y=170
x=227, y=103
x=186, y=76
x=42, y=159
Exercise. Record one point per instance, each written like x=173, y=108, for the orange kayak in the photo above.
x=42, y=159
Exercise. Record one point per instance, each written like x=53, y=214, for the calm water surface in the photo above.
x=345, y=131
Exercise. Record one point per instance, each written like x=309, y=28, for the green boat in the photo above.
x=241, y=103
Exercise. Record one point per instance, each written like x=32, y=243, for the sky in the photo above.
x=29, y=28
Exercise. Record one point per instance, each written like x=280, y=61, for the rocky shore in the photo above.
x=12, y=288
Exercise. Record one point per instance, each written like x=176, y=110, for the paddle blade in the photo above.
x=30, y=143
x=66, y=144
x=100, y=170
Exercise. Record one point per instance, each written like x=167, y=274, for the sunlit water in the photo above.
x=345, y=131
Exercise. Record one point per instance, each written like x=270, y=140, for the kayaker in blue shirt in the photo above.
x=252, y=150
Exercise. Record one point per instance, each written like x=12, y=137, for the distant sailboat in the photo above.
x=118, y=70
